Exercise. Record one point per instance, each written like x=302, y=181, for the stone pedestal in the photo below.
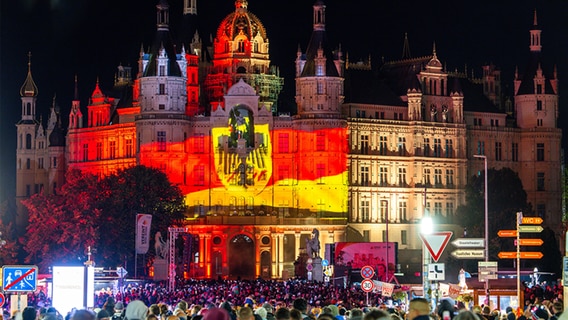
x=160, y=269
x=317, y=270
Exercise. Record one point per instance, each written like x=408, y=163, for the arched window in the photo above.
x=28, y=109
x=28, y=141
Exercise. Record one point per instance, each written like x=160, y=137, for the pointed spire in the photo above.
x=535, y=45
x=406, y=48
x=319, y=15
x=29, y=88
x=434, y=56
x=76, y=93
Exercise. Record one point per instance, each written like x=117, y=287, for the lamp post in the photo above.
x=426, y=227
x=486, y=224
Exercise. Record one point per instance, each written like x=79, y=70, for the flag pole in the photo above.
x=135, y=253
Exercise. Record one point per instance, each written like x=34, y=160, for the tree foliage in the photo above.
x=61, y=226
x=11, y=247
x=506, y=197
x=99, y=212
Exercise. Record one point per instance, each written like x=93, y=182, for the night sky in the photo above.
x=90, y=38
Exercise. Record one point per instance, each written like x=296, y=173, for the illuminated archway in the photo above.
x=265, y=264
x=241, y=257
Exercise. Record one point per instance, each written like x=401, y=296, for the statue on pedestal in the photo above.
x=313, y=245
x=161, y=247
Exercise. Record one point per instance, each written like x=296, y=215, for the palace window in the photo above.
x=515, y=152
x=199, y=143
x=426, y=147
x=402, y=211
x=85, y=152
x=365, y=211
x=480, y=147
x=426, y=177
x=364, y=180
x=383, y=176
x=437, y=147
x=199, y=172
x=540, y=181
x=401, y=177
x=449, y=209
x=364, y=144
x=401, y=146
x=449, y=177
x=438, y=177
x=128, y=147
x=449, y=148
x=384, y=207
x=382, y=145
x=498, y=151
x=540, y=152
x=320, y=141
x=283, y=143
x=112, y=149
x=161, y=140
x=99, y=150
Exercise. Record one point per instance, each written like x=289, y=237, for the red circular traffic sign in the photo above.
x=367, y=285
x=367, y=272
x=2, y=299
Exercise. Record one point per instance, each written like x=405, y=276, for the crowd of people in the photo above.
x=272, y=299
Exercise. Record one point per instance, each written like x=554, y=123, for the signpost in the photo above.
x=469, y=243
x=530, y=242
x=532, y=220
x=469, y=254
x=530, y=229
x=487, y=270
x=507, y=233
x=522, y=255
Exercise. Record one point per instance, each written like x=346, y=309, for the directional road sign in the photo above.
x=532, y=220
x=469, y=254
x=530, y=242
x=524, y=255
x=487, y=270
x=507, y=233
x=436, y=242
x=121, y=272
x=436, y=272
x=469, y=243
x=19, y=278
x=367, y=285
x=533, y=229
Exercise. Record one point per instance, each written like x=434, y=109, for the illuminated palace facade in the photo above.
x=362, y=159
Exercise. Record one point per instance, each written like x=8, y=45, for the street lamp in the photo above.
x=486, y=224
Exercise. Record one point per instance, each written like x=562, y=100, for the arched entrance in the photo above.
x=265, y=265
x=241, y=257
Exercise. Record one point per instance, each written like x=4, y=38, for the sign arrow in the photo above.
x=532, y=220
x=524, y=255
x=469, y=243
x=530, y=242
x=469, y=254
x=507, y=233
x=533, y=229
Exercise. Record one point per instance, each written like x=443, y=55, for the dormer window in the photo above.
x=162, y=71
x=539, y=88
x=319, y=70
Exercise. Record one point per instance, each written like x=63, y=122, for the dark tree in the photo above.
x=506, y=197
x=127, y=193
x=61, y=226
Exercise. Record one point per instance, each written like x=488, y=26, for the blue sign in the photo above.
x=19, y=278
x=324, y=263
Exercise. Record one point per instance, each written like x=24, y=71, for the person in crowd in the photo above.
x=29, y=313
x=377, y=314
x=467, y=315
x=301, y=305
x=83, y=314
x=136, y=310
x=282, y=313
x=245, y=313
x=418, y=309
x=216, y=314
